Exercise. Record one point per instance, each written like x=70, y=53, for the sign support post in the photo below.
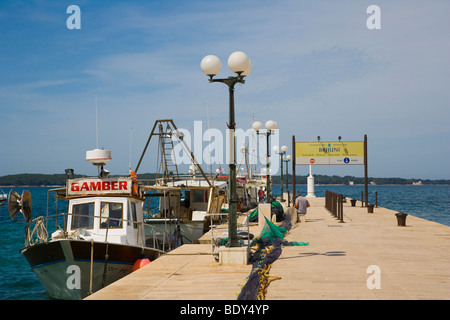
x=293, y=170
x=366, y=188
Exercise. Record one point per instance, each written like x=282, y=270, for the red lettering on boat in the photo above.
x=95, y=186
x=122, y=185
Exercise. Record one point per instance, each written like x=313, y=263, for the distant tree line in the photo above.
x=324, y=179
x=35, y=179
x=28, y=179
x=31, y=179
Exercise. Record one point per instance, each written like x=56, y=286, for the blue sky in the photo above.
x=317, y=70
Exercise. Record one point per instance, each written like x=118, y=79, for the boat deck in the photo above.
x=412, y=262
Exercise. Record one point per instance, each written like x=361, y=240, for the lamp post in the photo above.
x=287, y=158
x=241, y=65
x=270, y=126
x=284, y=149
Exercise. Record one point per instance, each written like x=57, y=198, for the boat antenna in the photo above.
x=209, y=138
x=252, y=151
x=98, y=157
x=96, y=120
x=131, y=135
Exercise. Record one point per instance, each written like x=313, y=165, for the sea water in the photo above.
x=18, y=282
x=431, y=202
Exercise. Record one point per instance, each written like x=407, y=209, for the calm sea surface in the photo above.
x=18, y=282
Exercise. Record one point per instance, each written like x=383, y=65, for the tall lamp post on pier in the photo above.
x=270, y=127
x=241, y=65
x=284, y=149
x=287, y=158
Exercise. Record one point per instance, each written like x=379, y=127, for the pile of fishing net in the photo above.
x=276, y=209
x=269, y=247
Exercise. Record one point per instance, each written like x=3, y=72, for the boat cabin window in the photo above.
x=133, y=215
x=186, y=199
x=199, y=196
x=83, y=215
x=113, y=212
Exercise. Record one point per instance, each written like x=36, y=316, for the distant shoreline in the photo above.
x=59, y=180
x=276, y=184
x=32, y=186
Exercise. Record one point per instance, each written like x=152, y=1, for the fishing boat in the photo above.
x=186, y=208
x=252, y=185
x=100, y=239
x=187, y=203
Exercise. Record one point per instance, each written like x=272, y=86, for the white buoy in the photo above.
x=310, y=184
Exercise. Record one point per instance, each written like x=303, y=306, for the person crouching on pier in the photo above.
x=301, y=204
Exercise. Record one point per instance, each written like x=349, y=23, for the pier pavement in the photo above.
x=368, y=257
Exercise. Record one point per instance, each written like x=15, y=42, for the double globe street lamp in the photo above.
x=287, y=158
x=241, y=65
x=284, y=149
x=271, y=126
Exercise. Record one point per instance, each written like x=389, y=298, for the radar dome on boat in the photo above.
x=98, y=156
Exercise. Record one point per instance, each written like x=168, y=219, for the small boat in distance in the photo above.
x=3, y=197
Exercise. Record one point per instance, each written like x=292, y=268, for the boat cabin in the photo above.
x=185, y=207
x=187, y=199
x=104, y=209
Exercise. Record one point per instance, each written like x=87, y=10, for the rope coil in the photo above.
x=40, y=231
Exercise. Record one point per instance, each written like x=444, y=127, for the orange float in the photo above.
x=141, y=262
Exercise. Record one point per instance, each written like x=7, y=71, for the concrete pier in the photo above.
x=368, y=257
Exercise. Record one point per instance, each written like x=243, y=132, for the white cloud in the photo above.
x=317, y=70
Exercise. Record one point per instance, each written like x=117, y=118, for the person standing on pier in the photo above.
x=301, y=204
x=261, y=196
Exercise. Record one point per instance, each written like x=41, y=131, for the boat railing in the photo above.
x=181, y=177
x=36, y=231
x=150, y=212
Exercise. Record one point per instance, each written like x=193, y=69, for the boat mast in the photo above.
x=171, y=130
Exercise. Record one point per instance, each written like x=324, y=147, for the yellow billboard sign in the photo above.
x=322, y=152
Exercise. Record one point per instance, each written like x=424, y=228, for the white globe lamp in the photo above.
x=239, y=62
x=271, y=125
x=257, y=126
x=211, y=65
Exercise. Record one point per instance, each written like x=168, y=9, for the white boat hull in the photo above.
x=190, y=230
x=64, y=266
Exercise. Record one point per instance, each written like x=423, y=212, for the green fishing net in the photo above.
x=277, y=204
x=270, y=232
x=253, y=215
x=275, y=207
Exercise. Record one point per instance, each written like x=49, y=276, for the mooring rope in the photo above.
x=92, y=265
x=40, y=231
